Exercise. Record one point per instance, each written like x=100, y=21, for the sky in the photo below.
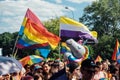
x=12, y=12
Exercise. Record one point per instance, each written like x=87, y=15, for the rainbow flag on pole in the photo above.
x=98, y=59
x=116, y=53
x=34, y=34
x=72, y=29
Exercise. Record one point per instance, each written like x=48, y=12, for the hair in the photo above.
x=26, y=66
x=98, y=63
x=113, y=69
x=27, y=78
x=37, y=76
x=72, y=66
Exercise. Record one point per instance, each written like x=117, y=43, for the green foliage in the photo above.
x=54, y=54
x=53, y=25
x=7, y=43
x=91, y=51
x=103, y=16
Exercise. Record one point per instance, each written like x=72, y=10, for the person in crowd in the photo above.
x=16, y=76
x=38, y=69
x=27, y=68
x=27, y=78
x=60, y=75
x=38, y=76
x=74, y=71
x=41, y=63
x=5, y=77
x=31, y=72
x=114, y=71
x=61, y=65
x=113, y=62
x=50, y=62
x=46, y=71
x=54, y=67
x=38, y=73
x=108, y=62
x=99, y=74
x=105, y=68
x=88, y=69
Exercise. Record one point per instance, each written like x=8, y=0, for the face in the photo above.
x=16, y=76
x=77, y=72
x=28, y=69
x=46, y=68
x=54, y=69
x=105, y=66
x=6, y=77
x=61, y=65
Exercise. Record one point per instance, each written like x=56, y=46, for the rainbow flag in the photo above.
x=116, y=53
x=72, y=29
x=98, y=59
x=64, y=48
x=34, y=34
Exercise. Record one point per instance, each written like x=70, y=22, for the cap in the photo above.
x=88, y=63
x=37, y=67
x=72, y=66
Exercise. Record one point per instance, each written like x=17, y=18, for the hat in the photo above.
x=88, y=63
x=72, y=66
x=37, y=67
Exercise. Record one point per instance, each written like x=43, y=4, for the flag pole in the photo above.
x=14, y=54
x=20, y=33
x=60, y=41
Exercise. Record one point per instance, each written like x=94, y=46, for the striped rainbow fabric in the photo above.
x=116, y=53
x=31, y=59
x=98, y=59
x=72, y=29
x=34, y=34
x=64, y=48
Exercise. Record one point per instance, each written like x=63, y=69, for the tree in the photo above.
x=6, y=40
x=103, y=16
x=53, y=25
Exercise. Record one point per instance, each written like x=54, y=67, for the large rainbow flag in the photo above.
x=34, y=34
x=72, y=29
x=116, y=53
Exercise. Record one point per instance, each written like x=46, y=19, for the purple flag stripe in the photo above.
x=75, y=34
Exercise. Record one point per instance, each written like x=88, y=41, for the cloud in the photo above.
x=12, y=12
x=80, y=1
x=58, y=1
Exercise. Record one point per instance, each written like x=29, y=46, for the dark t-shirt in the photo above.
x=61, y=75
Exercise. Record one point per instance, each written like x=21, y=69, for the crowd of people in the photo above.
x=88, y=69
